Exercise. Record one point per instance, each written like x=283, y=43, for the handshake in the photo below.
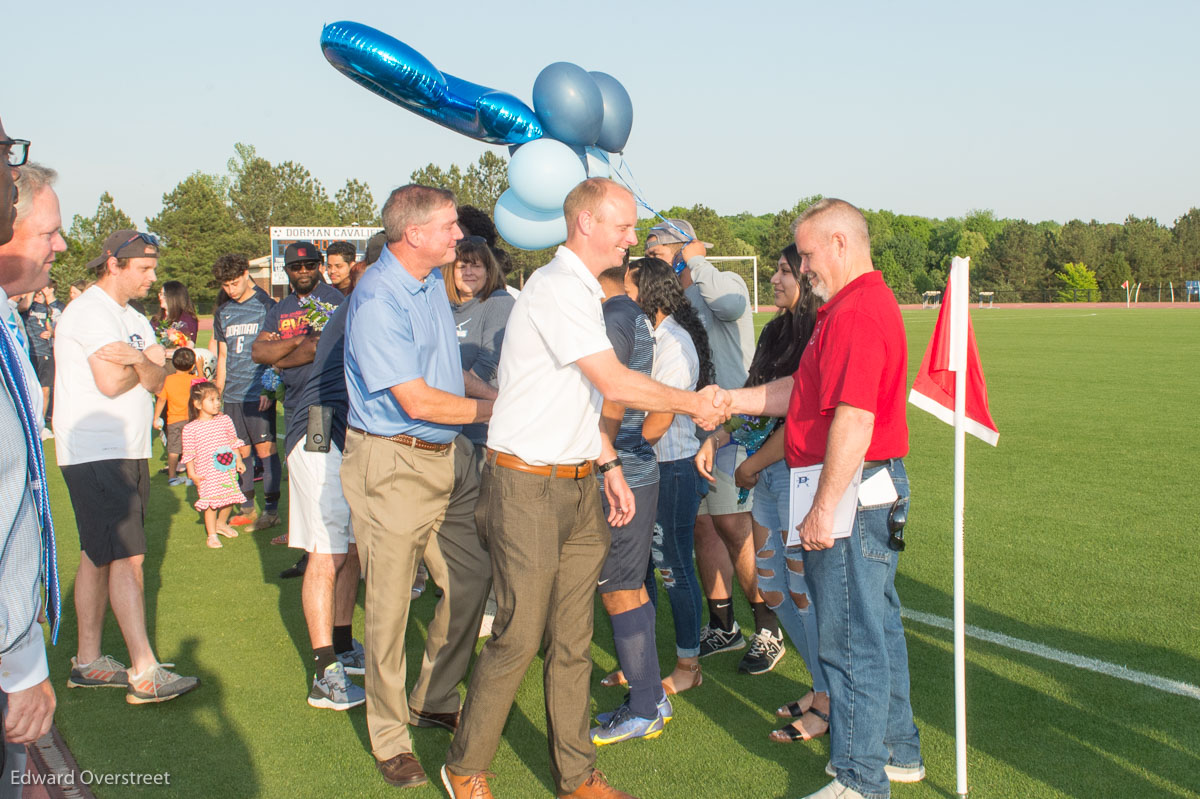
x=714, y=405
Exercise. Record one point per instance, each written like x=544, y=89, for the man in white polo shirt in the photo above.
x=108, y=369
x=539, y=504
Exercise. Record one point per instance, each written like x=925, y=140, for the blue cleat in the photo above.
x=665, y=712
x=624, y=726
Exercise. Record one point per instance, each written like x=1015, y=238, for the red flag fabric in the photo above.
x=933, y=389
x=1125, y=285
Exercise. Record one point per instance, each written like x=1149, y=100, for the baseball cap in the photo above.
x=674, y=231
x=301, y=252
x=125, y=243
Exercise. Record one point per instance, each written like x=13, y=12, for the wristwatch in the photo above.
x=608, y=467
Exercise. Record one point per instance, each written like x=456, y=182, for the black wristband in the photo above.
x=608, y=467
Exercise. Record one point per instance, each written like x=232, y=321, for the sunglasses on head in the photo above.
x=146, y=237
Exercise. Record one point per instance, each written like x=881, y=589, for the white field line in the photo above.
x=1060, y=656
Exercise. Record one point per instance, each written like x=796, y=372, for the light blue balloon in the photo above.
x=542, y=172
x=527, y=228
x=568, y=103
x=597, y=163
x=618, y=113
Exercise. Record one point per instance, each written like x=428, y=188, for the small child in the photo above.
x=175, y=397
x=210, y=452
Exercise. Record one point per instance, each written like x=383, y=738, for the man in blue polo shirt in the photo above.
x=405, y=384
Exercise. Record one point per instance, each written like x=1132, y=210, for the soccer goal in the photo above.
x=748, y=269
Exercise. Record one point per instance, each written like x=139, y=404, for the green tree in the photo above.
x=262, y=195
x=1148, y=246
x=86, y=235
x=356, y=205
x=897, y=278
x=1078, y=284
x=480, y=185
x=985, y=223
x=1186, y=234
x=1018, y=257
x=196, y=226
x=1114, y=270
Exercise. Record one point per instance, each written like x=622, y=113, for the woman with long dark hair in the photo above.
x=682, y=359
x=780, y=568
x=176, y=312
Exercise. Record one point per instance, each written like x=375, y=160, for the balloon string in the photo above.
x=632, y=184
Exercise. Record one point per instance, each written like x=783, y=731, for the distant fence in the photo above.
x=1164, y=292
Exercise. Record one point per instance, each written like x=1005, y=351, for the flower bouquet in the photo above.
x=316, y=313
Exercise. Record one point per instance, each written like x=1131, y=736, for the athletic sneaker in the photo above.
x=894, y=773
x=158, y=684
x=766, y=649
x=334, y=691
x=47, y=434
x=268, y=520
x=103, y=672
x=244, y=517
x=624, y=726
x=665, y=711
x=714, y=640
x=354, y=661
x=179, y=481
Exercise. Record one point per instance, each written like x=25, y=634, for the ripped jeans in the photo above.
x=679, y=490
x=781, y=578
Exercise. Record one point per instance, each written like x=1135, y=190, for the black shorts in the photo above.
x=109, y=498
x=44, y=365
x=628, y=559
x=252, y=425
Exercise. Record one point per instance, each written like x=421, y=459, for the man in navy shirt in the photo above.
x=236, y=326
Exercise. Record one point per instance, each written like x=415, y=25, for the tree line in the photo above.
x=207, y=215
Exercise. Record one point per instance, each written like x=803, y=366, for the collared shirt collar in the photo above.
x=860, y=283
x=577, y=267
x=396, y=271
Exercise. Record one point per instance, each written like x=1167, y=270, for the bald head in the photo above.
x=590, y=196
x=831, y=215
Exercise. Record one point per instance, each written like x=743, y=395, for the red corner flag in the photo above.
x=933, y=390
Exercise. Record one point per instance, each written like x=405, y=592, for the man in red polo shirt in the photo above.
x=845, y=407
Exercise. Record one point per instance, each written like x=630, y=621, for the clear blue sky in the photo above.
x=1046, y=110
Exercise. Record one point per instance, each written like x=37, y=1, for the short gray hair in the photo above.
x=32, y=178
x=409, y=205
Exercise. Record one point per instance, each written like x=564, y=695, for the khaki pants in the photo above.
x=399, y=501
x=548, y=539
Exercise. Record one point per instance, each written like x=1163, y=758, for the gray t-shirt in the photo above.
x=479, y=325
x=723, y=304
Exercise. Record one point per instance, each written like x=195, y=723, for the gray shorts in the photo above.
x=628, y=559
x=175, y=438
x=252, y=425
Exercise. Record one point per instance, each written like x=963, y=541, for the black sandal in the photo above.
x=792, y=733
x=794, y=710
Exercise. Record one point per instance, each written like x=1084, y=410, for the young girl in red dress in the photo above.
x=210, y=452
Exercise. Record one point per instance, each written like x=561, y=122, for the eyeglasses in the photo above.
x=896, y=521
x=304, y=266
x=18, y=151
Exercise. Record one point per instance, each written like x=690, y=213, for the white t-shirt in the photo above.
x=547, y=412
x=676, y=364
x=89, y=426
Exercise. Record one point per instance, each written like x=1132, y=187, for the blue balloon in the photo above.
x=399, y=74
x=618, y=113
x=568, y=103
x=526, y=228
x=598, y=164
x=542, y=172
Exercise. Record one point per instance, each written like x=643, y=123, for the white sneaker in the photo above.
x=835, y=790
x=894, y=773
x=46, y=434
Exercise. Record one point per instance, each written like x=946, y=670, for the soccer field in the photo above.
x=1077, y=540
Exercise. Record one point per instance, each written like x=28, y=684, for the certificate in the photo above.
x=802, y=484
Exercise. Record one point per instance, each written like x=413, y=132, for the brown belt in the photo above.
x=408, y=441
x=572, y=471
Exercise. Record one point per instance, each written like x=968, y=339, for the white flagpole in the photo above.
x=958, y=364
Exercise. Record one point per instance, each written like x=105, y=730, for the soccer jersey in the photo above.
x=237, y=324
x=633, y=342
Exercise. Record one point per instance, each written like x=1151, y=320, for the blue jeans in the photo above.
x=781, y=570
x=679, y=492
x=862, y=649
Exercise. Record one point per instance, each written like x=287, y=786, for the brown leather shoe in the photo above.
x=402, y=771
x=472, y=787
x=420, y=718
x=596, y=787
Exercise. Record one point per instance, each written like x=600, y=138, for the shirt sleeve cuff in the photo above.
x=25, y=666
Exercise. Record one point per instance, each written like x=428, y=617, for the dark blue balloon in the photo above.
x=398, y=73
x=618, y=113
x=569, y=104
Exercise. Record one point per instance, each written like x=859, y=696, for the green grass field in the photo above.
x=1078, y=530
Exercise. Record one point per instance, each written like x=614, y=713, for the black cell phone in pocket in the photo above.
x=320, y=424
